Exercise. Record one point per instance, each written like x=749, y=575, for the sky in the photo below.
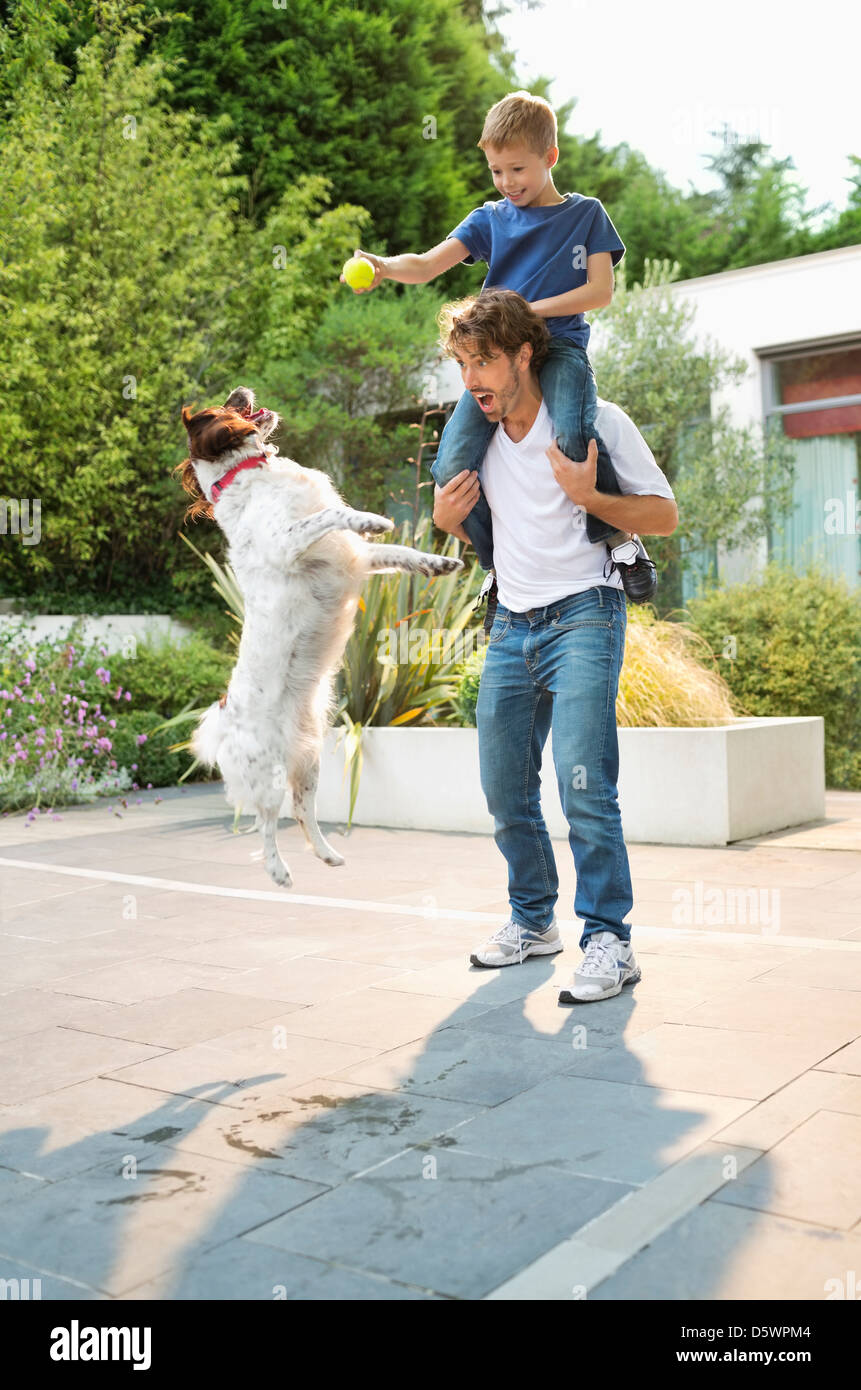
x=660, y=74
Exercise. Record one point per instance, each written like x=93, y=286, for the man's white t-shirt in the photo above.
x=541, y=552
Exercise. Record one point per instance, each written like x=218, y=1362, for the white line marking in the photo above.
x=287, y=898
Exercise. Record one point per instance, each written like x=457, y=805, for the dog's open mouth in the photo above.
x=253, y=414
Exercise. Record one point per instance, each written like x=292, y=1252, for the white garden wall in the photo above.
x=676, y=786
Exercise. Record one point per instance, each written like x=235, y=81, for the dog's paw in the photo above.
x=434, y=565
x=370, y=524
x=333, y=858
x=279, y=873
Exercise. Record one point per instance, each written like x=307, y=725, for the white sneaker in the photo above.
x=607, y=965
x=514, y=942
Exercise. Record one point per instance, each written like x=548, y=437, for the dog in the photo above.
x=300, y=556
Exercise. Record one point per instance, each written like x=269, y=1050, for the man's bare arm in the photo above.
x=648, y=516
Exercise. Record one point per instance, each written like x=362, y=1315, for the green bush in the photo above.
x=77, y=723
x=164, y=676
x=791, y=645
x=464, y=699
x=150, y=763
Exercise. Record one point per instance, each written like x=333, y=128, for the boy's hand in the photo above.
x=455, y=501
x=577, y=480
x=378, y=263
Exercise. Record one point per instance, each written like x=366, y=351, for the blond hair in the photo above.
x=520, y=118
x=496, y=321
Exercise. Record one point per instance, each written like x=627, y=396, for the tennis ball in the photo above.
x=358, y=273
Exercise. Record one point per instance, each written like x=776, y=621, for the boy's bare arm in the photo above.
x=595, y=294
x=454, y=502
x=411, y=269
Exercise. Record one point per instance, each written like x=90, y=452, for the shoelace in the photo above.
x=598, y=959
x=506, y=935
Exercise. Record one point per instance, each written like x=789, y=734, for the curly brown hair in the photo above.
x=496, y=321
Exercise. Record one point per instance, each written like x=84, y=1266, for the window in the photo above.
x=815, y=393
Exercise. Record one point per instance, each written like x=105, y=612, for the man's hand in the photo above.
x=577, y=480
x=378, y=262
x=454, y=502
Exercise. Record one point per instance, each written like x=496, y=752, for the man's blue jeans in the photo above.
x=568, y=386
x=557, y=667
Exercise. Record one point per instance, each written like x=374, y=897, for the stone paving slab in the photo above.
x=241, y=1269
x=456, y=1223
x=115, y=1226
x=718, y=1252
x=599, y=1128
x=210, y=1088
x=325, y=1132
x=811, y=1174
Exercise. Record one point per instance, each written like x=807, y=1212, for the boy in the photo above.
x=558, y=252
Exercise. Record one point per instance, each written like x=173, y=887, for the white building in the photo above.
x=797, y=325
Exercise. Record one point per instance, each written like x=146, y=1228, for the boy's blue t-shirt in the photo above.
x=540, y=252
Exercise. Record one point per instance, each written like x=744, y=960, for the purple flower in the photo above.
x=128, y=695
x=140, y=739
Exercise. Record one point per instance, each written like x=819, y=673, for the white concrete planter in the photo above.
x=676, y=786
x=115, y=631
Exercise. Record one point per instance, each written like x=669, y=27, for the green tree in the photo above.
x=845, y=230
x=758, y=214
x=729, y=482
x=348, y=394
x=384, y=99
x=129, y=284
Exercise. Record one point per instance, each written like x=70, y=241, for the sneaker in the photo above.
x=514, y=942
x=607, y=965
x=638, y=572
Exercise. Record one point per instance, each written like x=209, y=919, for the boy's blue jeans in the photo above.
x=557, y=667
x=568, y=386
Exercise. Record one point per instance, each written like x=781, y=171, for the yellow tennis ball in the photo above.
x=358, y=273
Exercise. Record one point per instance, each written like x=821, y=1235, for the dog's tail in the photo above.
x=207, y=736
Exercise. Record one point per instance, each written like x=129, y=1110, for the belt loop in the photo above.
x=600, y=596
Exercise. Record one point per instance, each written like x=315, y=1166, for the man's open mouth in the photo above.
x=485, y=399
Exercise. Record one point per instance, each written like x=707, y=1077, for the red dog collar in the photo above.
x=217, y=488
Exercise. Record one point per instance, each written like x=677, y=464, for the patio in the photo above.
x=210, y=1088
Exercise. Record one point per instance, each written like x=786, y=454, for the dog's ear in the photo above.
x=222, y=435
x=187, y=477
x=187, y=416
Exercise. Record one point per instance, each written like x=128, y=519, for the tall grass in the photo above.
x=669, y=677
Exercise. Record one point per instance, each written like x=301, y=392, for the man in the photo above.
x=556, y=645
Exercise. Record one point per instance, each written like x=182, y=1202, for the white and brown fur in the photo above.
x=301, y=556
